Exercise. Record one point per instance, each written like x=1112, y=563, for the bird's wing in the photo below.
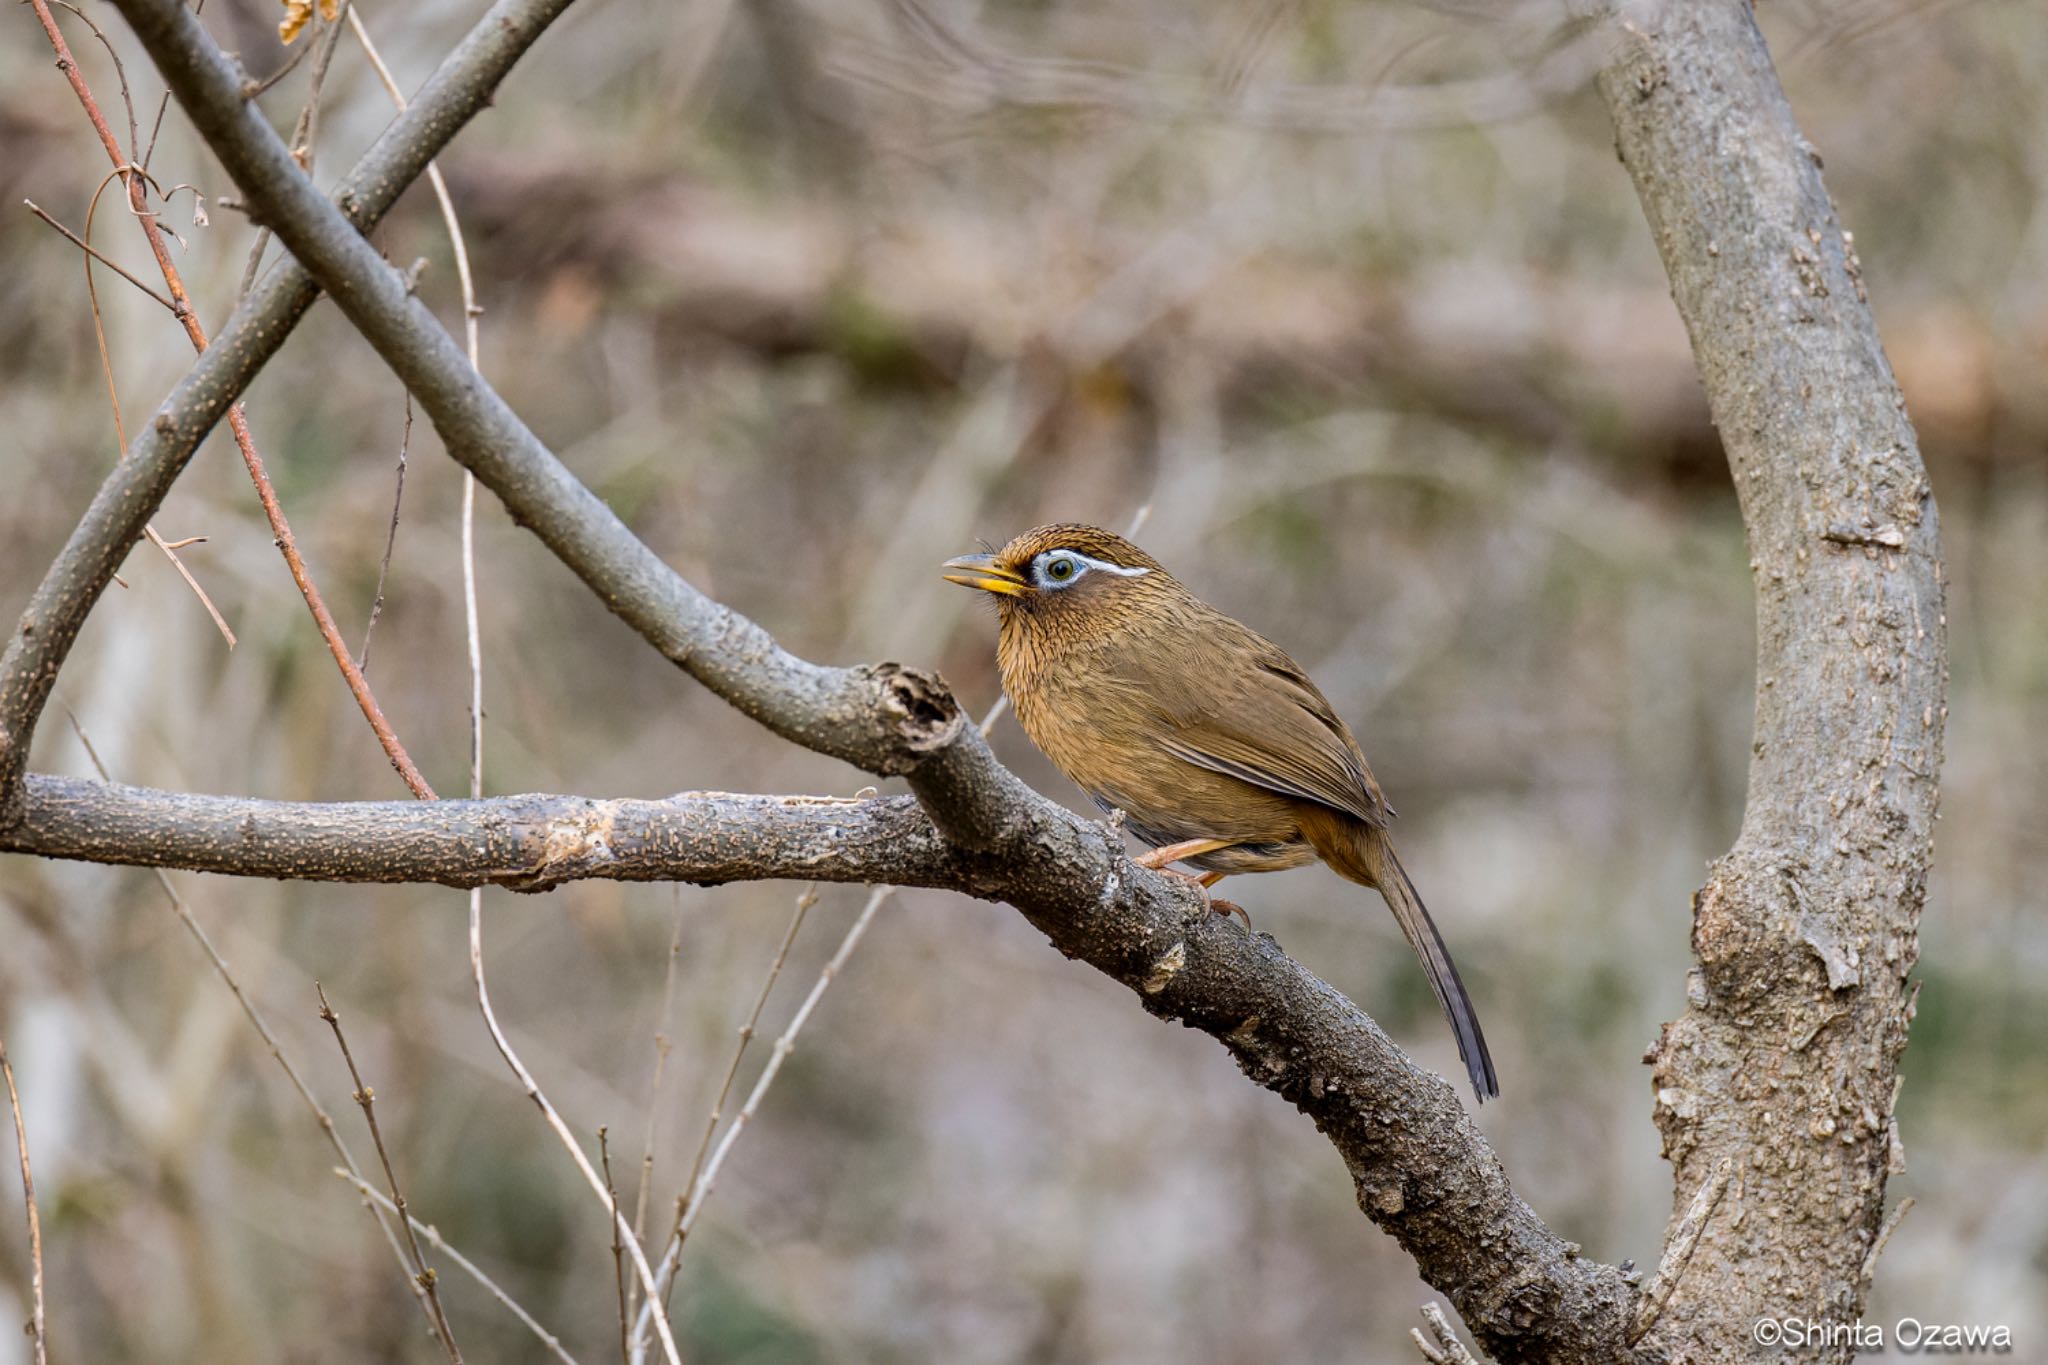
x=1273, y=729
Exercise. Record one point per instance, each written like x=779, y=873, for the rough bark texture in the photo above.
x=1786, y=1059
x=524, y=843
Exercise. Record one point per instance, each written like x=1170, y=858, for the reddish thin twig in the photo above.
x=181, y=305
x=35, y=1224
x=99, y=336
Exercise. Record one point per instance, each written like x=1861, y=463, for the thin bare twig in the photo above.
x=258, y=1022
x=262, y=85
x=807, y=898
x=1678, y=1250
x=305, y=131
x=367, y=1098
x=390, y=538
x=120, y=70
x=783, y=1047
x=692, y=1204
x=99, y=336
x=604, y=1156
x=554, y=1120
x=663, y=1045
x=376, y=1198
x=36, y=1328
x=280, y=528
x=89, y=249
x=1446, y=1349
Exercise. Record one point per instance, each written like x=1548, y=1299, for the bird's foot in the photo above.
x=1203, y=881
x=1224, y=907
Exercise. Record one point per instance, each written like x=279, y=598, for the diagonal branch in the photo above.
x=37, y=646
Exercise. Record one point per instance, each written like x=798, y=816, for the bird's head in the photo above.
x=1062, y=573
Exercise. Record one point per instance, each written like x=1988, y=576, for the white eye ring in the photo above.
x=1076, y=564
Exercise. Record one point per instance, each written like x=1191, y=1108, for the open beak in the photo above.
x=982, y=571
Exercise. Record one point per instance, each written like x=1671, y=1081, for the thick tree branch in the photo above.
x=524, y=843
x=1786, y=1058
x=133, y=491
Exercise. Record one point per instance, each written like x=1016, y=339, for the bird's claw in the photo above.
x=1201, y=883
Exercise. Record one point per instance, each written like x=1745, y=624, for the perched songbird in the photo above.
x=1216, y=746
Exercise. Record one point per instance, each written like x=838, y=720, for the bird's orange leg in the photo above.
x=1158, y=858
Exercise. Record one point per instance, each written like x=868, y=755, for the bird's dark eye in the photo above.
x=1060, y=570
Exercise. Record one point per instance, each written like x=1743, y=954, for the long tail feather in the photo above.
x=1443, y=973
x=1363, y=854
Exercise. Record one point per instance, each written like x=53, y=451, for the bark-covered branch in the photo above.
x=1786, y=1058
x=130, y=495
x=524, y=843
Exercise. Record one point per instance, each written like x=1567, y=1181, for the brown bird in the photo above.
x=1212, y=741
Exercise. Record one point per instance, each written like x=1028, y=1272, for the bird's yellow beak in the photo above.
x=982, y=571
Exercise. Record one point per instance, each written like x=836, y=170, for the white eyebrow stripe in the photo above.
x=1107, y=567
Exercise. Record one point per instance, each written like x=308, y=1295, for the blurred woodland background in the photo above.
x=818, y=292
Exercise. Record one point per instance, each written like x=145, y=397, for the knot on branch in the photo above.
x=1754, y=928
x=570, y=848
x=920, y=710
